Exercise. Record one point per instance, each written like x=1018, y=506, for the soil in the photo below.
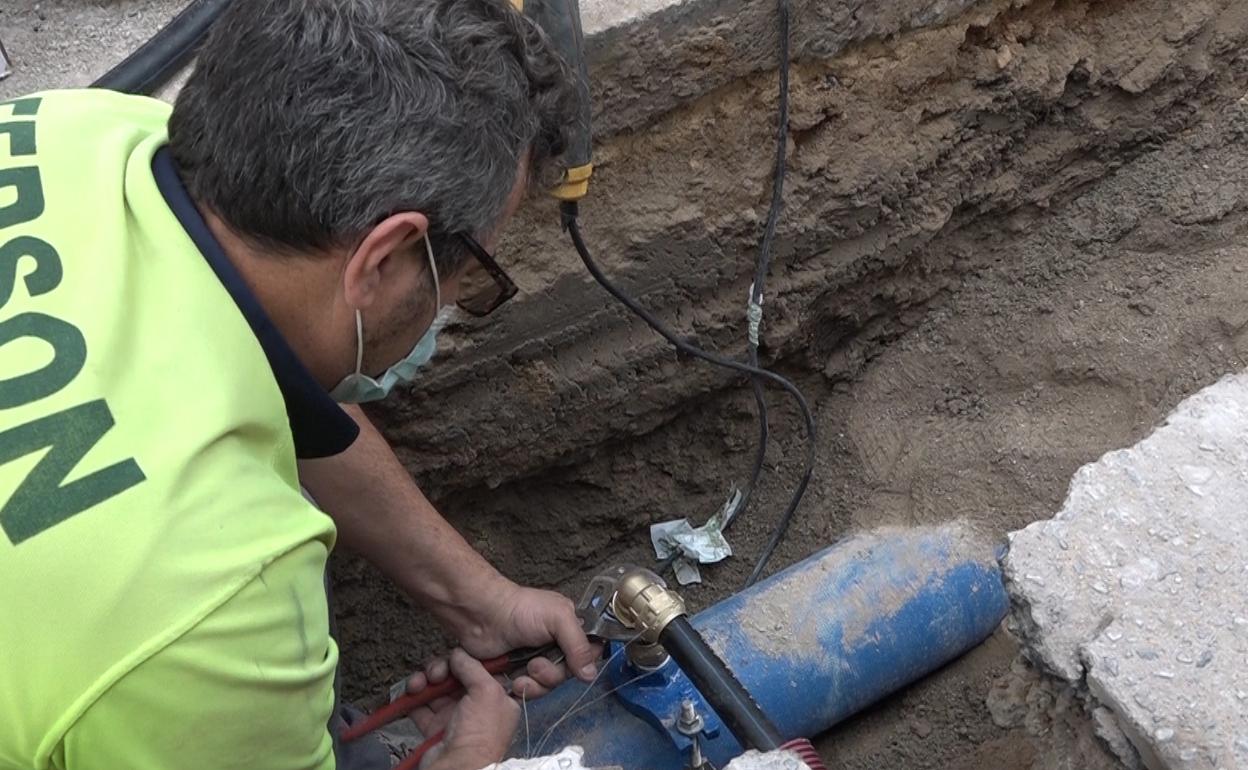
x=69, y=43
x=984, y=281
x=1011, y=243
x=1073, y=328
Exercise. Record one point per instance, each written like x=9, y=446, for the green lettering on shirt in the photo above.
x=21, y=137
x=44, y=278
x=25, y=107
x=43, y=499
x=69, y=353
x=28, y=205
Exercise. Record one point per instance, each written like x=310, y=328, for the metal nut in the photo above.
x=647, y=657
x=690, y=721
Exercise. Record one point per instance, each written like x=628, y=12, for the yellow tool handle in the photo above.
x=561, y=21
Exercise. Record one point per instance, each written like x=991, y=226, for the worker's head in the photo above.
x=378, y=138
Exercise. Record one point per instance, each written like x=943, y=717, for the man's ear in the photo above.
x=369, y=265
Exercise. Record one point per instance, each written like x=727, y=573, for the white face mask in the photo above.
x=357, y=387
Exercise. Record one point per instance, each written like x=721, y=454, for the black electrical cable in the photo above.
x=569, y=212
x=760, y=453
x=157, y=60
x=761, y=269
x=763, y=263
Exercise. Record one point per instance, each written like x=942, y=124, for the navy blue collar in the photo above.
x=319, y=425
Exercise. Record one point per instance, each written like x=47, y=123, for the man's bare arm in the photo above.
x=382, y=515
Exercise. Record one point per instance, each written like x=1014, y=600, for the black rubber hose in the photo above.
x=761, y=267
x=159, y=59
x=731, y=701
x=568, y=213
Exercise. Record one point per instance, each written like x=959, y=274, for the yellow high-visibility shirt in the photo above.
x=161, y=596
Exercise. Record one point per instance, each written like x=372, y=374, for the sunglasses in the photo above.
x=481, y=292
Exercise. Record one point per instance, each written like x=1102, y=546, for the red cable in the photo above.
x=408, y=703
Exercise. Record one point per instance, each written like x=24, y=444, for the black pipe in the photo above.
x=159, y=59
x=719, y=686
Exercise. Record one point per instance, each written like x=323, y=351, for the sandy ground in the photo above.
x=1105, y=314
x=1077, y=328
x=1073, y=298
x=67, y=44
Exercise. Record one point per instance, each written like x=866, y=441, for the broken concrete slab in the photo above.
x=1136, y=592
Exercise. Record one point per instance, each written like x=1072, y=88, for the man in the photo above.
x=180, y=295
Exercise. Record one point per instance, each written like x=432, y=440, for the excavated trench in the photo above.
x=1013, y=238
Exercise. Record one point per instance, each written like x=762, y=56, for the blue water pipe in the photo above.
x=814, y=644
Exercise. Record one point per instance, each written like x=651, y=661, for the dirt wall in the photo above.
x=896, y=142
x=1011, y=242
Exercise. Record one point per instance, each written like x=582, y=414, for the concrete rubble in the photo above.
x=1136, y=592
x=570, y=759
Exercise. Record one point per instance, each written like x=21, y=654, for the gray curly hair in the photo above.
x=306, y=122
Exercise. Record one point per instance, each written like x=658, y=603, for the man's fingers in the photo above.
x=575, y=645
x=548, y=675
x=416, y=682
x=528, y=688
x=541, y=677
x=423, y=718
x=430, y=721
x=469, y=671
x=438, y=705
x=437, y=670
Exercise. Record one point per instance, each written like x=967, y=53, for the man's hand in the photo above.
x=479, y=726
x=381, y=514
x=527, y=617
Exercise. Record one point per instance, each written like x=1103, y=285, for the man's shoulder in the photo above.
x=148, y=469
x=101, y=107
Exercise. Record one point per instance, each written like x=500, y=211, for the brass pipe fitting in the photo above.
x=647, y=657
x=644, y=603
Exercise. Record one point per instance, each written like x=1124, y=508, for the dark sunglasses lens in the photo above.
x=478, y=292
x=482, y=305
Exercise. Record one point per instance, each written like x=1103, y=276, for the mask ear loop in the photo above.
x=437, y=298
x=359, y=341
x=437, y=282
